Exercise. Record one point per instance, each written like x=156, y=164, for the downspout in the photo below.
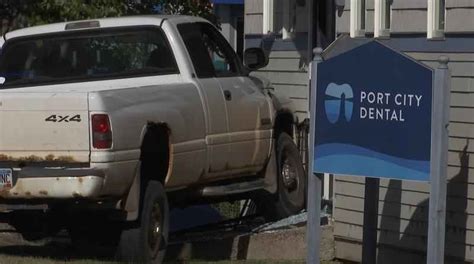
x=310, y=4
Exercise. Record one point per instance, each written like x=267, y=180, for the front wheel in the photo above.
x=290, y=197
x=146, y=243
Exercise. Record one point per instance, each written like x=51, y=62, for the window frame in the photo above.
x=216, y=36
x=283, y=20
x=383, y=12
x=358, y=18
x=436, y=17
x=268, y=13
x=289, y=12
x=107, y=30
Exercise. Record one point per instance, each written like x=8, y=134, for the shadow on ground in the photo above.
x=60, y=247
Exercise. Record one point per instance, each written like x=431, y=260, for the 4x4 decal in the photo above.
x=59, y=118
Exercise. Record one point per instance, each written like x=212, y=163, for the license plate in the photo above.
x=6, y=178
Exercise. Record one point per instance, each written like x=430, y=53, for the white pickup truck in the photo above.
x=104, y=124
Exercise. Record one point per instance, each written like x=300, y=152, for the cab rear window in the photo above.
x=87, y=55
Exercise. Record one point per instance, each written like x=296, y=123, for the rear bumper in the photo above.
x=53, y=183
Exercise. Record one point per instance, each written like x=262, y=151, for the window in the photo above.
x=442, y=14
x=289, y=18
x=87, y=55
x=382, y=18
x=192, y=37
x=283, y=17
x=436, y=18
x=358, y=10
x=210, y=53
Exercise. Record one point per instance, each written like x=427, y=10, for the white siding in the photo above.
x=287, y=70
x=253, y=22
x=460, y=19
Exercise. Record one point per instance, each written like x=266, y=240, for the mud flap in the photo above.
x=132, y=202
x=271, y=171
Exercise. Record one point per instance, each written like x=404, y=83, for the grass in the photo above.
x=7, y=259
x=246, y=262
x=228, y=210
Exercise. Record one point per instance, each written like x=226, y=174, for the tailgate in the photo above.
x=44, y=127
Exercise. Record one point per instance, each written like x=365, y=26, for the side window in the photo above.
x=192, y=37
x=224, y=59
x=209, y=51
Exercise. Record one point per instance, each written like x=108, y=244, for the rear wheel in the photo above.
x=290, y=196
x=146, y=241
x=142, y=241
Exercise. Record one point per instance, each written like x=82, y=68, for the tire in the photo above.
x=290, y=197
x=146, y=241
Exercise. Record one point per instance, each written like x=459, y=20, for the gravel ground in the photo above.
x=30, y=260
x=15, y=250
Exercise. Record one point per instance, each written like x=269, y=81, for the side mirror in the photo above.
x=255, y=58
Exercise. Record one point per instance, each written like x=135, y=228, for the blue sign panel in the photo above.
x=373, y=115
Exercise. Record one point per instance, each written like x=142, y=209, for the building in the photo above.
x=231, y=18
x=424, y=30
x=281, y=28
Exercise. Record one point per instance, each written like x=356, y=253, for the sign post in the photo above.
x=437, y=206
x=313, y=225
x=371, y=215
x=377, y=113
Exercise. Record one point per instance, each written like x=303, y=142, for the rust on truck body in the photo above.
x=34, y=158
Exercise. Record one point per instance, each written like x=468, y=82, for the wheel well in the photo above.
x=283, y=123
x=155, y=153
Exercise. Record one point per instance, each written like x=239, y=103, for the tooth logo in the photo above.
x=339, y=100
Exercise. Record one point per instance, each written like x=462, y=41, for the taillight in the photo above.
x=101, y=131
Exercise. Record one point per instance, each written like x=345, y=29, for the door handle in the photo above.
x=227, y=95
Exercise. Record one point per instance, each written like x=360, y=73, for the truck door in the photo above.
x=217, y=139
x=247, y=108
